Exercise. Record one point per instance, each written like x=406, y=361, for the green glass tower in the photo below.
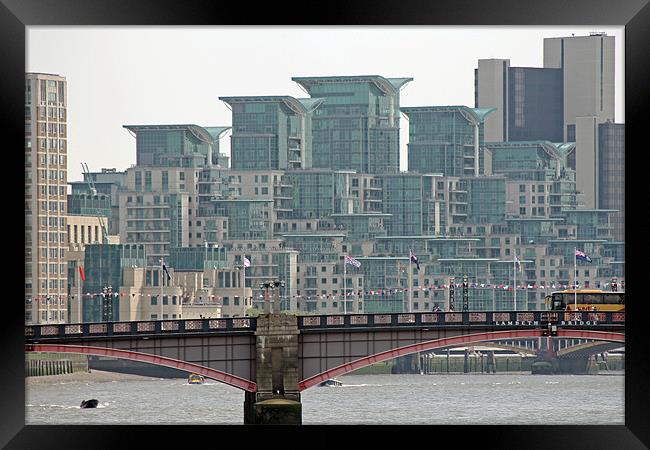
x=446, y=139
x=318, y=193
x=357, y=126
x=271, y=132
x=174, y=145
x=408, y=198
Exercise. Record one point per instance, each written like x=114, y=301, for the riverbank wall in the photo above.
x=44, y=364
x=476, y=364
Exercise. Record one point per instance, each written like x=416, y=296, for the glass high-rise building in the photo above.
x=446, y=139
x=357, y=126
x=539, y=181
x=486, y=198
x=319, y=193
x=174, y=145
x=46, y=149
x=103, y=265
x=271, y=132
x=409, y=199
x=611, y=174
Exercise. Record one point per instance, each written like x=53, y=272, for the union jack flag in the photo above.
x=352, y=261
x=582, y=256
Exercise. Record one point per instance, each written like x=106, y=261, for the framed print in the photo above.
x=249, y=59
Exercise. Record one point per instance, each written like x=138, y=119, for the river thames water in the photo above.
x=487, y=399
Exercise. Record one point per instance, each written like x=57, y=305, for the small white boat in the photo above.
x=330, y=382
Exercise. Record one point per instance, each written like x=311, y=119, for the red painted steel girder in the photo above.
x=466, y=339
x=588, y=334
x=207, y=372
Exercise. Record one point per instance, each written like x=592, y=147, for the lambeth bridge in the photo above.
x=273, y=357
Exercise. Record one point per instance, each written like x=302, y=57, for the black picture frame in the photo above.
x=15, y=15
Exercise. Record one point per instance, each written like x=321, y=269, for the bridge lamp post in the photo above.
x=277, y=284
x=451, y=293
x=107, y=304
x=267, y=302
x=465, y=294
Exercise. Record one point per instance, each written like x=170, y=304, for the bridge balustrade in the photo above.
x=347, y=321
x=459, y=319
x=140, y=328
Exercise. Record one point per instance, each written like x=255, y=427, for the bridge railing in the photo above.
x=144, y=327
x=352, y=321
x=466, y=318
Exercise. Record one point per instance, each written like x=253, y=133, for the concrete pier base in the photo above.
x=260, y=409
x=278, y=411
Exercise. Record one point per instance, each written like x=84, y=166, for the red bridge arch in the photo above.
x=467, y=339
x=207, y=372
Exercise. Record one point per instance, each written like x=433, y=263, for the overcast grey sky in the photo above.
x=173, y=75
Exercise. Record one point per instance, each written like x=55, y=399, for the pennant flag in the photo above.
x=247, y=262
x=582, y=256
x=164, y=267
x=352, y=261
x=414, y=259
x=81, y=272
x=518, y=263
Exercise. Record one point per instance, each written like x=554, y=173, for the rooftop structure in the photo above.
x=357, y=126
x=271, y=132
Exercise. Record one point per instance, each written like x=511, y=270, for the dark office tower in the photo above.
x=529, y=101
x=611, y=174
x=535, y=104
x=357, y=126
x=271, y=132
x=446, y=140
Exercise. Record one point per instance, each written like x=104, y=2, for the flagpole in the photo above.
x=410, y=281
x=345, y=263
x=514, y=272
x=575, y=281
x=161, y=288
x=79, y=293
x=243, y=282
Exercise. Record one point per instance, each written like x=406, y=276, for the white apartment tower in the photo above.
x=45, y=198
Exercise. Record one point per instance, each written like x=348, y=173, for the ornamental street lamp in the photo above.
x=451, y=293
x=107, y=303
x=275, y=286
x=465, y=294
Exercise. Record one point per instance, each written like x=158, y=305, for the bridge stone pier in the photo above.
x=277, y=399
